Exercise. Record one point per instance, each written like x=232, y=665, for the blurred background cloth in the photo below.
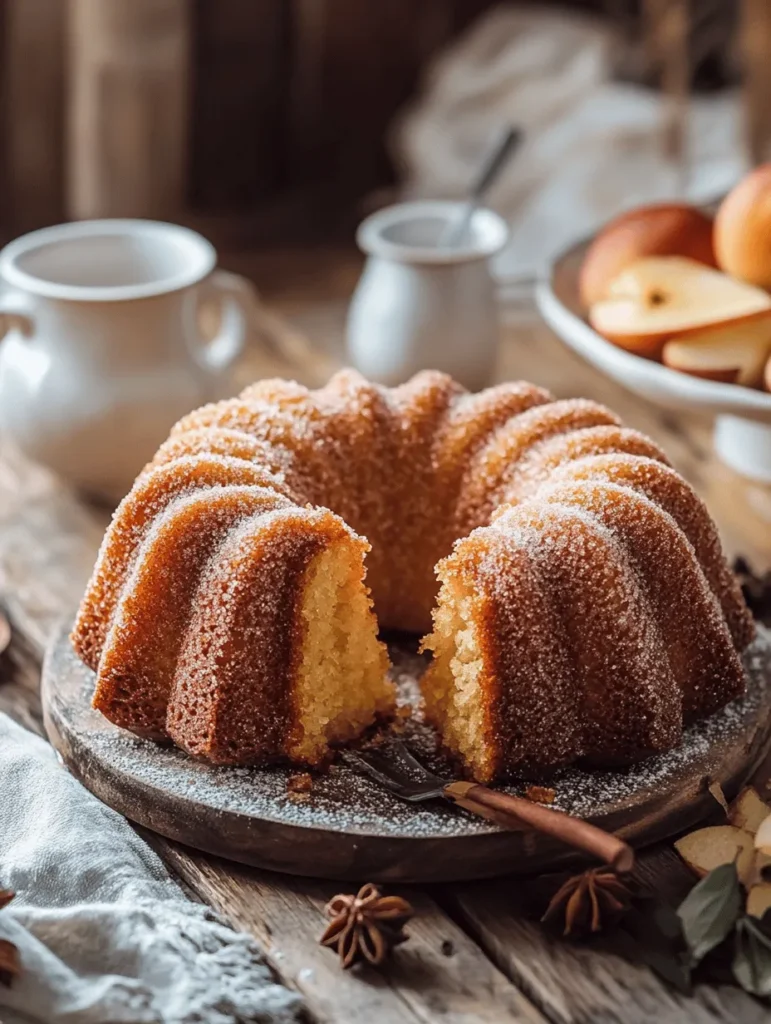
x=592, y=145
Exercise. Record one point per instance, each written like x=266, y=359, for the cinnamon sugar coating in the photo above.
x=138, y=666
x=246, y=624
x=598, y=613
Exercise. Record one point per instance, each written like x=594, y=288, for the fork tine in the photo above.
x=407, y=759
x=365, y=761
x=389, y=774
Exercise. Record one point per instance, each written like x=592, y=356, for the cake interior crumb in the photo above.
x=452, y=686
x=341, y=685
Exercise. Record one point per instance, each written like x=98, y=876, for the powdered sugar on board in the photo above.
x=343, y=801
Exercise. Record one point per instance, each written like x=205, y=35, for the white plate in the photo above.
x=743, y=425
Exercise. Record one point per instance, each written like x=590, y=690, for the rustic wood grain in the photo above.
x=575, y=985
x=380, y=47
x=32, y=77
x=439, y=975
x=128, y=108
x=288, y=102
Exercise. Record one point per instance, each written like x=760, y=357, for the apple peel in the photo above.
x=733, y=354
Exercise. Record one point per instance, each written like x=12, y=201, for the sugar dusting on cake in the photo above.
x=340, y=800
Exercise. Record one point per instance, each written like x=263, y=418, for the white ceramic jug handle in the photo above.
x=16, y=310
x=239, y=303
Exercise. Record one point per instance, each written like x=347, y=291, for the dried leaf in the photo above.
x=717, y=792
x=710, y=910
x=5, y=897
x=752, y=957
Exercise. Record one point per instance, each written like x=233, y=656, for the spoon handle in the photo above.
x=488, y=172
x=496, y=158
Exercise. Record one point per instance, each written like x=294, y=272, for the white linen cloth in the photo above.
x=591, y=146
x=104, y=933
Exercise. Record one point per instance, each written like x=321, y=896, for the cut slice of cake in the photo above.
x=281, y=660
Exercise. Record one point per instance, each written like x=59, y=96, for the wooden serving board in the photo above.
x=349, y=828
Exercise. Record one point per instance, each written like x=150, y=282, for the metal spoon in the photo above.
x=504, y=147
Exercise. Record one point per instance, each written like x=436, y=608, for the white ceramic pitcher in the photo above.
x=103, y=349
x=421, y=304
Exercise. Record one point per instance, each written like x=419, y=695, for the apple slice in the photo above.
x=748, y=811
x=763, y=836
x=666, y=229
x=708, y=848
x=759, y=899
x=662, y=297
x=736, y=354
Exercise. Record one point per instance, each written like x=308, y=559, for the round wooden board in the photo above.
x=348, y=828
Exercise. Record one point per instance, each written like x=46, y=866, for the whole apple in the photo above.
x=743, y=229
x=671, y=229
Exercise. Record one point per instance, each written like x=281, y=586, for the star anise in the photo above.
x=366, y=926
x=10, y=965
x=589, y=901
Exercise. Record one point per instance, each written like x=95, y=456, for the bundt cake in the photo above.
x=587, y=612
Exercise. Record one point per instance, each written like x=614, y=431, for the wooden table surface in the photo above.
x=472, y=956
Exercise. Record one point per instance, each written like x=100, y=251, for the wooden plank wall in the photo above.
x=241, y=61
x=259, y=120
x=32, y=103
x=219, y=108
x=127, y=115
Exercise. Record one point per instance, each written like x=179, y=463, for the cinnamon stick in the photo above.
x=514, y=811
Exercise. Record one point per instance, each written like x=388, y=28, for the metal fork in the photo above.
x=396, y=769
